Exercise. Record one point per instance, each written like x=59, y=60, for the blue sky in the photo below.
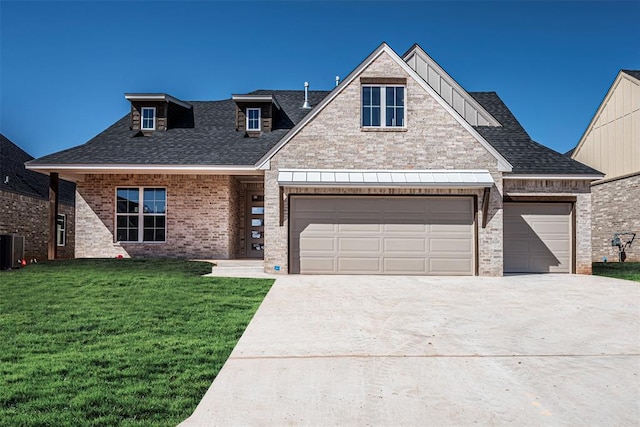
x=64, y=66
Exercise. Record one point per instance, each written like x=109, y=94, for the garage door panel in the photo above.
x=405, y=265
x=358, y=265
x=404, y=244
x=365, y=226
x=393, y=235
x=537, y=237
x=317, y=264
x=404, y=228
x=318, y=244
x=451, y=245
x=447, y=266
x=359, y=244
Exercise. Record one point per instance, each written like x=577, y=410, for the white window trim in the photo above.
x=63, y=229
x=259, y=110
x=142, y=118
x=140, y=215
x=383, y=107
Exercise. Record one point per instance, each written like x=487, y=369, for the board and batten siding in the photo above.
x=611, y=143
x=448, y=89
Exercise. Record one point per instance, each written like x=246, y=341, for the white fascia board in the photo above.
x=155, y=97
x=256, y=98
x=559, y=177
x=146, y=169
x=503, y=163
x=417, y=50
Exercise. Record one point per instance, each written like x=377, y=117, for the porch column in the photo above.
x=53, y=215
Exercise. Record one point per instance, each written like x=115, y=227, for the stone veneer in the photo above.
x=433, y=139
x=29, y=217
x=560, y=190
x=202, y=216
x=615, y=208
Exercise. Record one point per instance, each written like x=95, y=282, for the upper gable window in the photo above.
x=253, y=118
x=383, y=106
x=148, y=118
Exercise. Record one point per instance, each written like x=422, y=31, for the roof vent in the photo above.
x=306, y=96
x=337, y=80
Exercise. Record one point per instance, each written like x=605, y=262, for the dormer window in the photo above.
x=148, y=118
x=253, y=119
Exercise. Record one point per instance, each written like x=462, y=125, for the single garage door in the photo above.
x=537, y=237
x=382, y=235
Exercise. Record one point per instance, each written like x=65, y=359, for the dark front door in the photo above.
x=255, y=224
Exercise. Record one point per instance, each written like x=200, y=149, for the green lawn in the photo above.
x=625, y=270
x=115, y=342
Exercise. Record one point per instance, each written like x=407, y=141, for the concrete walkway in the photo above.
x=390, y=351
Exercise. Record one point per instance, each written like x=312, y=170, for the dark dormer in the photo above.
x=158, y=111
x=255, y=113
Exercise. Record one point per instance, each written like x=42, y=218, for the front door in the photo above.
x=255, y=224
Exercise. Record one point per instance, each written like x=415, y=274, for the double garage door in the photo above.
x=382, y=235
x=537, y=237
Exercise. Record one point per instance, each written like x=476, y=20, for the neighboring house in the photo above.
x=611, y=144
x=397, y=170
x=24, y=205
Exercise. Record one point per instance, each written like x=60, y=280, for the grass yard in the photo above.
x=625, y=270
x=116, y=342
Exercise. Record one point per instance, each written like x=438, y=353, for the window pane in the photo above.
x=399, y=116
x=127, y=200
x=366, y=116
x=391, y=96
x=366, y=96
x=375, y=116
x=390, y=121
x=400, y=96
x=375, y=96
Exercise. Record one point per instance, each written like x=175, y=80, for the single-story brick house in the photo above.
x=397, y=170
x=24, y=206
x=611, y=144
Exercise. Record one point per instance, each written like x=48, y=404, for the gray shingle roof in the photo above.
x=514, y=143
x=26, y=182
x=633, y=73
x=212, y=140
x=207, y=136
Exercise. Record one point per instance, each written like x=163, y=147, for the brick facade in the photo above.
x=29, y=217
x=433, y=139
x=202, y=216
x=614, y=206
x=562, y=190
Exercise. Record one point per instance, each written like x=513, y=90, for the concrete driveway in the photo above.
x=389, y=351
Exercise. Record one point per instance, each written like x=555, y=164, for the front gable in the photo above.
x=434, y=135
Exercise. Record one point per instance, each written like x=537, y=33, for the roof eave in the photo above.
x=156, y=97
x=585, y=177
x=81, y=169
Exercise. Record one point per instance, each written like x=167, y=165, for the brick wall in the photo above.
x=615, y=207
x=29, y=217
x=200, y=222
x=559, y=189
x=433, y=139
